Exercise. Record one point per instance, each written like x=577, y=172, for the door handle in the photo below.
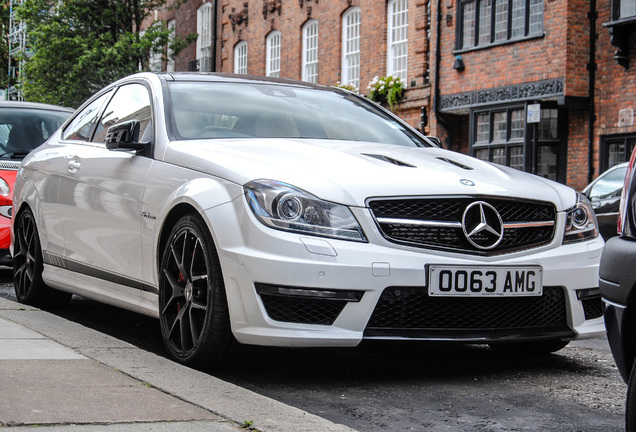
x=74, y=165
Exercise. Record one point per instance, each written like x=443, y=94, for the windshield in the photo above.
x=249, y=110
x=23, y=129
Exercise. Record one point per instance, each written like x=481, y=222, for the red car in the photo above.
x=23, y=127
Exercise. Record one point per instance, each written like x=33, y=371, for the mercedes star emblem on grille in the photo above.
x=482, y=225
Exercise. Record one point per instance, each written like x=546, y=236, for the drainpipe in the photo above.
x=438, y=115
x=214, y=33
x=591, y=67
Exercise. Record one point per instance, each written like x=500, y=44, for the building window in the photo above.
x=616, y=149
x=172, y=26
x=155, y=60
x=204, y=41
x=548, y=144
x=310, y=52
x=240, y=58
x=351, y=47
x=272, y=67
x=397, y=31
x=625, y=8
x=486, y=22
x=500, y=136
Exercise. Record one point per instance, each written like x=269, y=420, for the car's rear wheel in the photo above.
x=193, y=308
x=28, y=266
x=531, y=347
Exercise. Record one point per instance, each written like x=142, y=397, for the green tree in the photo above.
x=77, y=47
x=4, y=46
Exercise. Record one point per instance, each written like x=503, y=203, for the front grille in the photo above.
x=10, y=165
x=593, y=307
x=437, y=223
x=411, y=311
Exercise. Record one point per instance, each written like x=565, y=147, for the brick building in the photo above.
x=503, y=62
x=518, y=82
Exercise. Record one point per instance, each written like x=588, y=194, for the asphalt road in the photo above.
x=414, y=386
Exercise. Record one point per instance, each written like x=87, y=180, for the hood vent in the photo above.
x=389, y=160
x=457, y=164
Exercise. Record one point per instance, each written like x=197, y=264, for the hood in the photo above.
x=351, y=172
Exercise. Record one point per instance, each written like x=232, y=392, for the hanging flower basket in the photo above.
x=386, y=90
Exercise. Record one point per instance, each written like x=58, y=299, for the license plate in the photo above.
x=483, y=281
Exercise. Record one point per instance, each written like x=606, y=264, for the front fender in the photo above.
x=166, y=201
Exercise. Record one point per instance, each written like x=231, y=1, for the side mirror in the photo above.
x=435, y=140
x=124, y=136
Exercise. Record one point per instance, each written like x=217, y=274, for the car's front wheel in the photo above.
x=28, y=266
x=193, y=307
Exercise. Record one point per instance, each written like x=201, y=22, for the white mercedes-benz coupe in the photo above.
x=245, y=210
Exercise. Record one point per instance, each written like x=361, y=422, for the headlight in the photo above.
x=4, y=188
x=282, y=206
x=581, y=221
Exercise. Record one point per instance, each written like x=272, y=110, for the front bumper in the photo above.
x=292, y=290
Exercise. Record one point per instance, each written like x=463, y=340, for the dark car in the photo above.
x=617, y=276
x=605, y=194
x=23, y=127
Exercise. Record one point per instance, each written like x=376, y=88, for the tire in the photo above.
x=193, y=310
x=630, y=403
x=28, y=265
x=530, y=348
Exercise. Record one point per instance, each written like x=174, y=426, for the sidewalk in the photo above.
x=61, y=376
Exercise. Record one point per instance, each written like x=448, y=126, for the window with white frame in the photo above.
x=204, y=41
x=310, y=52
x=240, y=58
x=272, y=67
x=172, y=26
x=351, y=47
x=485, y=22
x=155, y=60
x=397, y=31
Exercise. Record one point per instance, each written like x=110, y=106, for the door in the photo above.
x=100, y=196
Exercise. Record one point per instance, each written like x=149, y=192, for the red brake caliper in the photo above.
x=182, y=280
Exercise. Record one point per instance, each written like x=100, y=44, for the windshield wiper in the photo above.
x=18, y=154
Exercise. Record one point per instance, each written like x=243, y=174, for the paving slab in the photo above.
x=64, y=377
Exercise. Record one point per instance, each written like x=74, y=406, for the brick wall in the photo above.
x=615, y=84
x=290, y=16
x=563, y=52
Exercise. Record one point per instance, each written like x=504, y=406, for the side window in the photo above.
x=131, y=102
x=83, y=122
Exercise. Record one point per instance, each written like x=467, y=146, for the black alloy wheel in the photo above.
x=28, y=266
x=193, y=307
